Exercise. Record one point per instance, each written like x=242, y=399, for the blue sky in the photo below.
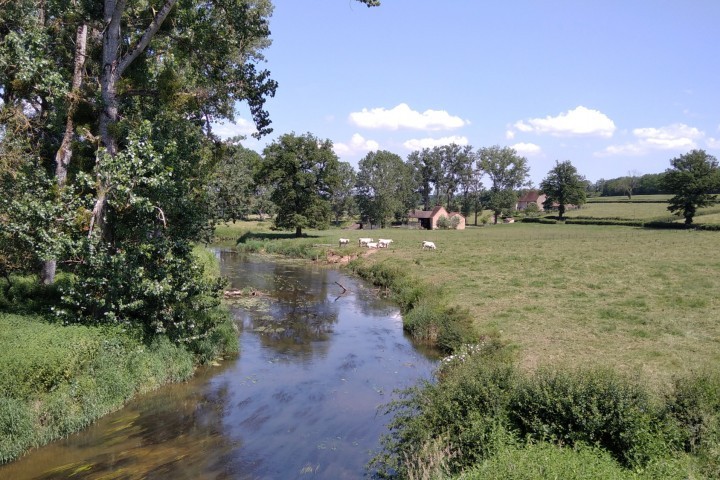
x=613, y=86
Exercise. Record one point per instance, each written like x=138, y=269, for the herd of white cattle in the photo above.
x=382, y=243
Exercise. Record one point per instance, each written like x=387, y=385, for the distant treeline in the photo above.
x=648, y=184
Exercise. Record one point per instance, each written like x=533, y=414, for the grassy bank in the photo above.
x=58, y=379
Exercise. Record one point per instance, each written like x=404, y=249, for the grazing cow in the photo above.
x=428, y=245
x=344, y=241
x=384, y=242
x=364, y=241
x=372, y=244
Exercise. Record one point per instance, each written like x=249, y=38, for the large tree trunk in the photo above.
x=64, y=153
x=114, y=63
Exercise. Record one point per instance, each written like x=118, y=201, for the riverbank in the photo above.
x=57, y=379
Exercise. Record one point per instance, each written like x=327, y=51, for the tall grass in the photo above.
x=56, y=380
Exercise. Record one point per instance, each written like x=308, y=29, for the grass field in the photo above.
x=641, y=300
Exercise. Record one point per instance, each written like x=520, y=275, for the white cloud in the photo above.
x=713, y=143
x=526, y=148
x=420, y=143
x=402, y=116
x=239, y=127
x=580, y=121
x=677, y=136
x=357, y=144
x=509, y=134
x=671, y=137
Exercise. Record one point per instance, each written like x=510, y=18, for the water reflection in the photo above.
x=300, y=402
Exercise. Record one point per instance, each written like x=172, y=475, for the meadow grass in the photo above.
x=626, y=211
x=643, y=301
x=661, y=197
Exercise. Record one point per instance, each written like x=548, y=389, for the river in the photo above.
x=320, y=351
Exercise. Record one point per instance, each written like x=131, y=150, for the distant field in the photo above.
x=628, y=211
x=644, y=301
x=635, y=199
x=645, y=208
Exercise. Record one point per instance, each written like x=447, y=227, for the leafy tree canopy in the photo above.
x=507, y=171
x=692, y=179
x=564, y=186
x=304, y=173
x=384, y=187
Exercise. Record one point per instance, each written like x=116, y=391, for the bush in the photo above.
x=548, y=221
x=694, y=403
x=467, y=410
x=594, y=407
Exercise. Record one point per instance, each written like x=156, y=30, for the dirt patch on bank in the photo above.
x=336, y=258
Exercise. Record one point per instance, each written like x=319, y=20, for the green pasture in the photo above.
x=663, y=198
x=627, y=211
x=641, y=300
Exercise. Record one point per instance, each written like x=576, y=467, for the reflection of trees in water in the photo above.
x=301, y=316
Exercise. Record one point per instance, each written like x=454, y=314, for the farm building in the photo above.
x=428, y=219
x=531, y=197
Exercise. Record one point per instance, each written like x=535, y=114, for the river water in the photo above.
x=320, y=352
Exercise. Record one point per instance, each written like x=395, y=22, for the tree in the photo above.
x=427, y=172
x=232, y=189
x=456, y=164
x=343, y=198
x=692, y=179
x=384, y=185
x=630, y=183
x=507, y=171
x=564, y=186
x=304, y=173
x=116, y=99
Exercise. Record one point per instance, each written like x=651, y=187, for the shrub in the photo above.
x=694, y=403
x=596, y=407
x=467, y=410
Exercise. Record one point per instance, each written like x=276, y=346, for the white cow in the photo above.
x=384, y=242
x=428, y=245
x=364, y=241
x=372, y=245
x=344, y=241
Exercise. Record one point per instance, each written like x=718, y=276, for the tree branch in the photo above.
x=144, y=41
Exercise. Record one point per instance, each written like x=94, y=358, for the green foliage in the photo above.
x=343, y=202
x=233, y=193
x=692, y=179
x=39, y=221
x=591, y=407
x=483, y=412
x=507, y=171
x=303, y=173
x=467, y=409
x=695, y=404
x=564, y=186
x=384, y=188
x=445, y=223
